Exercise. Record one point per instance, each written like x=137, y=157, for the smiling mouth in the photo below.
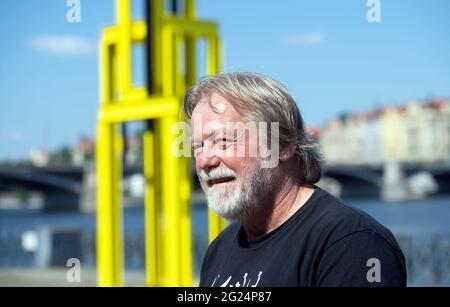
x=215, y=181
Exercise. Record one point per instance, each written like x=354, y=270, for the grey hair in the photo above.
x=263, y=99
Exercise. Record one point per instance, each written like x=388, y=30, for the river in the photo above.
x=421, y=226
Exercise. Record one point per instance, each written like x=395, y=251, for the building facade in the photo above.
x=414, y=133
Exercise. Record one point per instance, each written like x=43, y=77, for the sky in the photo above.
x=325, y=52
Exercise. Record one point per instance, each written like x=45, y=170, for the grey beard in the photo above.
x=247, y=198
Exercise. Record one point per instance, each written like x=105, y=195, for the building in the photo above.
x=416, y=132
x=84, y=151
x=39, y=157
x=352, y=139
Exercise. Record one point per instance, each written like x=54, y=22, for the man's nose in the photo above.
x=207, y=160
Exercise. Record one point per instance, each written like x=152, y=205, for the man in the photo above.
x=288, y=232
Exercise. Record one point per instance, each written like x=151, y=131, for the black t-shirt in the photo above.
x=325, y=243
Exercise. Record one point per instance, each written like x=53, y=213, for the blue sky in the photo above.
x=324, y=51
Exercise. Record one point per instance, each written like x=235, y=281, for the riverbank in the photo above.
x=56, y=277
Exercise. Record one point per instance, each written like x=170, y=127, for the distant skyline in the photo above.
x=325, y=52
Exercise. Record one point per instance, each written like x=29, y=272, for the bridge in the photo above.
x=377, y=180
x=63, y=187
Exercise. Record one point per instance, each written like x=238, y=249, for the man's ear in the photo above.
x=288, y=152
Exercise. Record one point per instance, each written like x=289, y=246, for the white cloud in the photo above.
x=306, y=39
x=63, y=45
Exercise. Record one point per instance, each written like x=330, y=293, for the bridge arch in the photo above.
x=356, y=181
x=59, y=193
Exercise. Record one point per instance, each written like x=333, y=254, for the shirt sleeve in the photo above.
x=361, y=259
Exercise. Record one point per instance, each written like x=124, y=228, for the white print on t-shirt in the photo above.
x=245, y=281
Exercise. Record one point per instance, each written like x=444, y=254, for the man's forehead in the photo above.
x=211, y=128
x=214, y=103
x=213, y=115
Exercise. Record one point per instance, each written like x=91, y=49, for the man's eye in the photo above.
x=222, y=143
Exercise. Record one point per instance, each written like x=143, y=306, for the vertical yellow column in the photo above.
x=158, y=200
x=117, y=146
x=190, y=47
x=124, y=46
x=108, y=160
x=170, y=199
x=105, y=215
x=185, y=256
x=157, y=11
x=190, y=79
x=109, y=217
x=158, y=255
x=185, y=224
x=170, y=170
x=151, y=211
x=168, y=188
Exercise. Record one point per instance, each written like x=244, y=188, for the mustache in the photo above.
x=217, y=173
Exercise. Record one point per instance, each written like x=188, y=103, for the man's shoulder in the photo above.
x=336, y=219
x=221, y=244
x=227, y=235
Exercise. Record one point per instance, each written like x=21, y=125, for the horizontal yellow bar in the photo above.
x=138, y=32
x=177, y=24
x=191, y=26
x=136, y=94
x=129, y=110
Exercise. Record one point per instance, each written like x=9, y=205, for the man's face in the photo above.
x=234, y=183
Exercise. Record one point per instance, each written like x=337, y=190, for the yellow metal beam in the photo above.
x=182, y=25
x=167, y=49
x=108, y=161
x=109, y=215
x=189, y=6
x=157, y=9
x=170, y=196
x=190, y=57
x=136, y=94
x=157, y=12
x=188, y=26
x=138, y=33
x=151, y=211
x=105, y=69
x=129, y=111
x=186, y=173
x=185, y=234
x=168, y=187
x=124, y=45
x=160, y=256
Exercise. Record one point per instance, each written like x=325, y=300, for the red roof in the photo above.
x=85, y=144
